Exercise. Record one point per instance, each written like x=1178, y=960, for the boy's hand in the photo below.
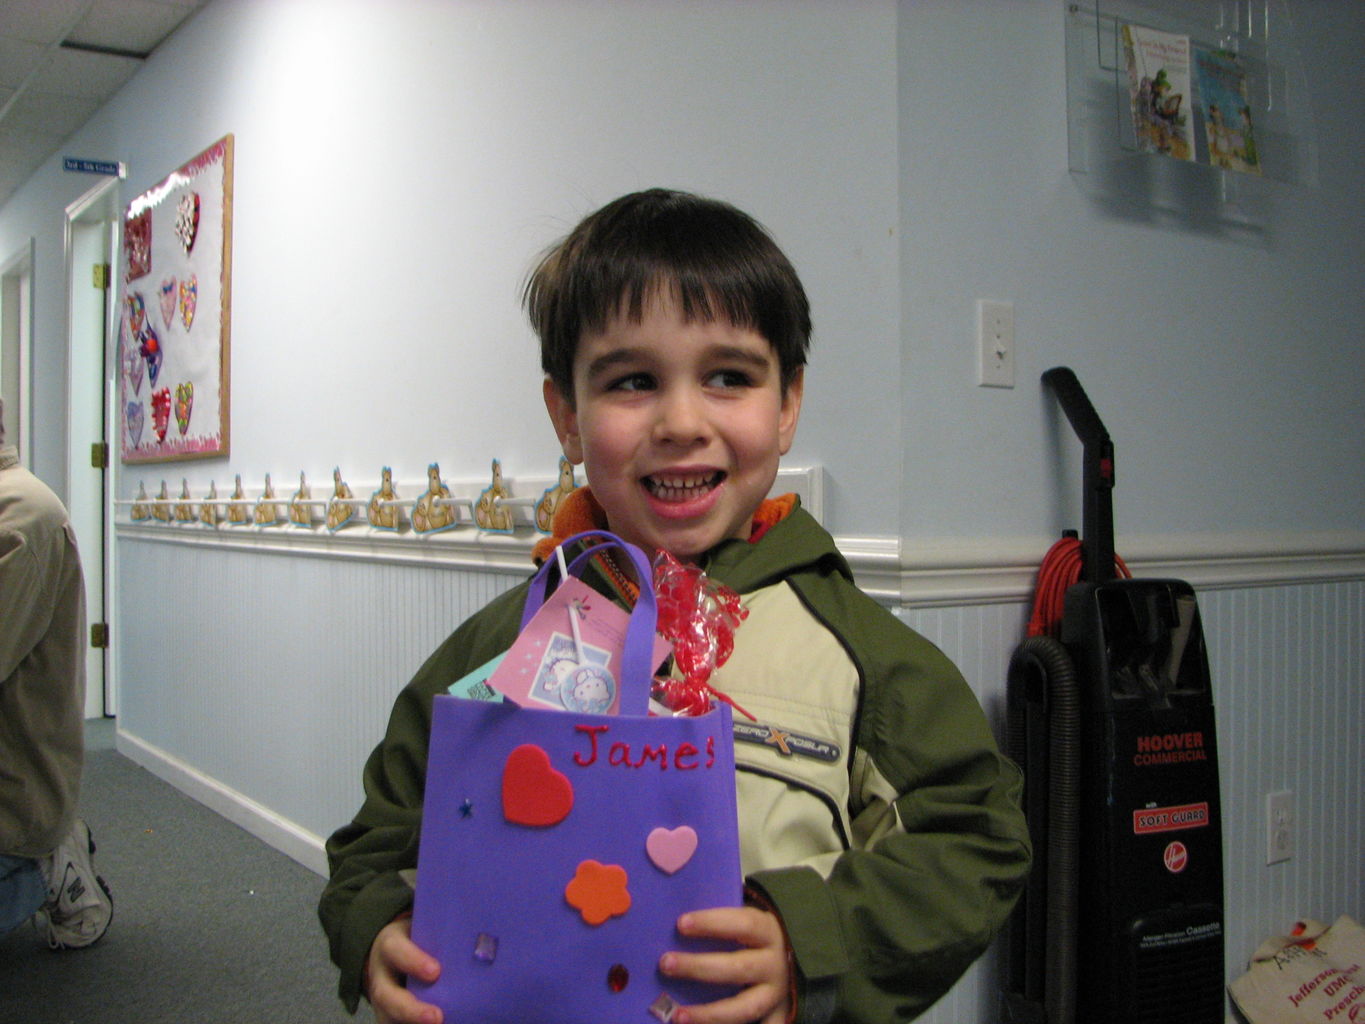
x=394, y=957
x=761, y=968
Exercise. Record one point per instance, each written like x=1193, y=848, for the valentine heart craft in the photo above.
x=161, y=413
x=151, y=352
x=137, y=314
x=133, y=416
x=184, y=402
x=533, y=792
x=168, y=301
x=133, y=366
x=187, y=219
x=671, y=848
x=189, y=298
x=137, y=245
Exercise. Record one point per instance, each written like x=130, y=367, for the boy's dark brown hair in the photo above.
x=717, y=260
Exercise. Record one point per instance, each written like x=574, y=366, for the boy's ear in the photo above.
x=791, y=410
x=565, y=420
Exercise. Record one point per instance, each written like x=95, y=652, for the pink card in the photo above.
x=568, y=656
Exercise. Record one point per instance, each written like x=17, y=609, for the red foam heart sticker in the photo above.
x=533, y=792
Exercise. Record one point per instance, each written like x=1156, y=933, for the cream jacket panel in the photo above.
x=793, y=763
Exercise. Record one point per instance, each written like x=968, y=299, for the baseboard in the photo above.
x=297, y=843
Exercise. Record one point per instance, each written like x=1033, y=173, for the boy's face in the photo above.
x=679, y=426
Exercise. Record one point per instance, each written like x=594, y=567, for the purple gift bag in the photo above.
x=558, y=849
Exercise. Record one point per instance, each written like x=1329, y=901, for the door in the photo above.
x=91, y=223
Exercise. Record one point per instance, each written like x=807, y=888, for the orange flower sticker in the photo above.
x=598, y=891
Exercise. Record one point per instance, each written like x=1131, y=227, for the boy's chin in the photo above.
x=685, y=546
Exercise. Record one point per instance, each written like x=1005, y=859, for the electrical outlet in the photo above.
x=1279, y=826
x=995, y=344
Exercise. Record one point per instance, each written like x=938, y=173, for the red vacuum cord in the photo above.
x=1060, y=569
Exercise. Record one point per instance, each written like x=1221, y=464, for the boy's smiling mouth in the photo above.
x=682, y=487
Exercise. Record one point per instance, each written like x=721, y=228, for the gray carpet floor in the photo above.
x=211, y=926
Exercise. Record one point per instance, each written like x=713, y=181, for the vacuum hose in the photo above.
x=1042, y=676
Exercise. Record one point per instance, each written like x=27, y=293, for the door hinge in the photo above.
x=100, y=275
x=99, y=634
x=99, y=455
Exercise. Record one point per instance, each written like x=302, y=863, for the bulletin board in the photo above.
x=174, y=314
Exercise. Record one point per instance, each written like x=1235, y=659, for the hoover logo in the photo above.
x=1170, y=819
x=1176, y=857
x=1170, y=748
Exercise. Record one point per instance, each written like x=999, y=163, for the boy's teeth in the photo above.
x=676, y=488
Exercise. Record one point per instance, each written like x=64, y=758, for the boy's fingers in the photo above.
x=393, y=1004
x=760, y=996
x=743, y=967
x=395, y=951
x=394, y=957
x=747, y=1007
x=746, y=926
x=759, y=968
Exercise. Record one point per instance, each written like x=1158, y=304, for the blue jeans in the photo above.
x=23, y=890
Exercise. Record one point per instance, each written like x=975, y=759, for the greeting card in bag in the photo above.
x=559, y=848
x=569, y=654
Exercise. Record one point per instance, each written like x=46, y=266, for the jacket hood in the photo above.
x=795, y=544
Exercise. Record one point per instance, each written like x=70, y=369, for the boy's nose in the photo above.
x=681, y=419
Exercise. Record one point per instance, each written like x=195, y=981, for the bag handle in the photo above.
x=636, y=671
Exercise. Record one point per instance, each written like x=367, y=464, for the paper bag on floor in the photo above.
x=1313, y=974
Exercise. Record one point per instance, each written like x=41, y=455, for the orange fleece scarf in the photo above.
x=580, y=511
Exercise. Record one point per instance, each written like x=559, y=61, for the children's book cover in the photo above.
x=1159, y=87
x=1225, y=109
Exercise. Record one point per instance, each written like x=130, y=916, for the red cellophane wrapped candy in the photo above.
x=699, y=617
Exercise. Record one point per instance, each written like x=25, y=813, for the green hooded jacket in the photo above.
x=877, y=816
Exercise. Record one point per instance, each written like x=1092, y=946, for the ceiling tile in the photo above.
x=135, y=25
x=63, y=87
x=17, y=58
x=39, y=22
x=73, y=73
x=50, y=113
x=27, y=148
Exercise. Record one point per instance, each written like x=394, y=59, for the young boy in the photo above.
x=880, y=832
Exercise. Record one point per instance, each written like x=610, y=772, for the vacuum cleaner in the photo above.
x=1111, y=717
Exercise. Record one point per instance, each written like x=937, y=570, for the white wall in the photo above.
x=1219, y=359
x=400, y=165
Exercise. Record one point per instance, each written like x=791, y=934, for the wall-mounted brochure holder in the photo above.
x=1194, y=107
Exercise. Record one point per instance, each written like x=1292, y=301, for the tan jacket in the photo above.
x=42, y=664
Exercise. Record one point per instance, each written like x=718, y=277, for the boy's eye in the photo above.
x=729, y=379
x=632, y=382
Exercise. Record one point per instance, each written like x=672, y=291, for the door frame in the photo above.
x=98, y=206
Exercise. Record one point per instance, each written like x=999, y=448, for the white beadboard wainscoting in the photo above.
x=256, y=671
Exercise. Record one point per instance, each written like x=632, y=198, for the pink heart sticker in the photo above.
x=533, y=792
x=671, y=848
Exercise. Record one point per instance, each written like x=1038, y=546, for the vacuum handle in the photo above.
x=1076, y=404
x=1097, y=539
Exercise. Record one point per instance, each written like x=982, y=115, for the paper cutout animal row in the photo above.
x=436, y=510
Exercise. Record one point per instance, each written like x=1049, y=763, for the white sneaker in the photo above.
x=79, y=906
